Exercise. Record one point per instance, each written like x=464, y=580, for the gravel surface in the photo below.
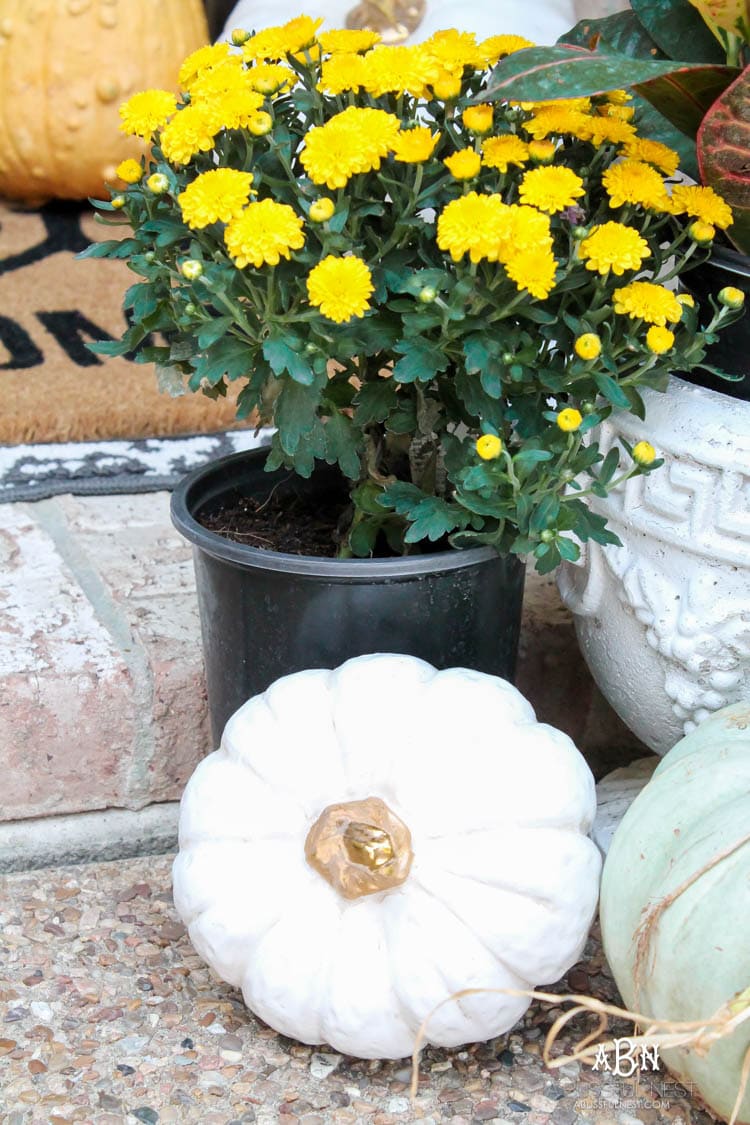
x=107, y=1016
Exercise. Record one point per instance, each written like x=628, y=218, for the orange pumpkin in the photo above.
x=65, y=68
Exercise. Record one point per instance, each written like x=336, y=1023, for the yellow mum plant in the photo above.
x=492, y=278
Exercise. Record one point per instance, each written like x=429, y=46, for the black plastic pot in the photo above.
x=265, y=614
x=731, y=352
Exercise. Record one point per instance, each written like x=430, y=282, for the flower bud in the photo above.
x=427, y=294
x=542, y=152
x=644, y=453
x=150, y=255
x=118, y=201
x=157, y=183
x=191, y=269
x=489, y=447
x=548, y=535
x=190, y=309
x=659, y=340
x=240, y=36
x=731, y=297
x=478, y=118
x=588, y=407
x=569, y=419
x=588, y=346
x=322, y=209
x=702, y=233
x=260, y=123
x=130, y=171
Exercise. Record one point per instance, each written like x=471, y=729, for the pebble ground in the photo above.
x=108, y=1017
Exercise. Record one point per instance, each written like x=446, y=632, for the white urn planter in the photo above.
x=370, y=840
x=664, y=620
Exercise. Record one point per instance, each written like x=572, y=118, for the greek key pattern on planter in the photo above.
x=707, y=506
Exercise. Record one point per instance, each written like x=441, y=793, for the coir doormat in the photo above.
x=53, y=388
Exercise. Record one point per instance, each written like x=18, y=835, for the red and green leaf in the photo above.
x=724, y=154
x=679, y=30
x=686, y=94
x=622, y=32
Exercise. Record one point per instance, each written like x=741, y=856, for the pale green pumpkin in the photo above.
x=688, y=832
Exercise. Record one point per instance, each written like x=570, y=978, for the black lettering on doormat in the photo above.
x=72, y=330
x=21, y=348
x=62, y=222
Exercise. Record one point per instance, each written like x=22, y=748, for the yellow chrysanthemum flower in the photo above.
x=473, y=224
x=454, y=50
x=608, y=130
x=353, y=141
x=263, y=233
x=619, y=97
x=644, y=453
x=464, y=164
x=397, y=70
x=340, y=287
x=533, y=270
x=569, y=420
x=551, y=189
x=652, y=152
x=644, y=300
x=157, y=183
x=271, y=78
x=237, y=109
x=498, y=46
x=414, y=146
x=615, y=247
x=146, y=112
x=632, y=181
x=701, y=203
x=278, y=42
x=190, y=131
x=620, y=112
x=342, y=73
x=489, y=447
x=347, y=41
x=588, y=346
x=478, y=118
x=523, y=228
x=659, y=340
x=130, y=171
x=202, y=59
x=558, y=120
x=500, y=152
x=227, y=77
x=215, y=196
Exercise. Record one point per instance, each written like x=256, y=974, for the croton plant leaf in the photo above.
x=622, y=32
x=680, y=30
x=731, y=15
x=724, y=154
x=683, y=91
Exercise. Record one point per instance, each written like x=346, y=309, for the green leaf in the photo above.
x=401, y=497
x=568, y=549
x=528, y=457
x=283, y=358
x=296, y=413
x=228, y=356
x=609, y=466
x=342, y=445
x=111, y=248
x=433, y=518
x=545, y=514
x=541, y=73
x=679, y=30
x=611, y=390
x=477, y=403
x=375, y=401
x=209, y=333
x=420, y=361
x=363, y=536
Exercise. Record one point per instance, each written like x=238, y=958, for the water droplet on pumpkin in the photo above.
x=107, y=89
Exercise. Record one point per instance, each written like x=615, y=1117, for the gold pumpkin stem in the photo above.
x=360, y=847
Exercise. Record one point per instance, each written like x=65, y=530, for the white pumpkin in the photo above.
x=369, y=840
